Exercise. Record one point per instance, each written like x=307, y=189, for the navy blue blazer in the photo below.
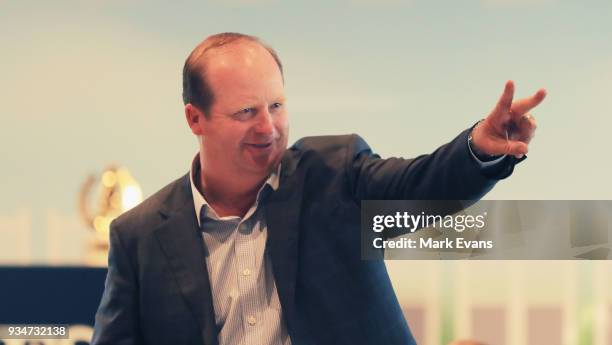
x=157, y=289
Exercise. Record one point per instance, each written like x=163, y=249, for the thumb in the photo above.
x=515, y=148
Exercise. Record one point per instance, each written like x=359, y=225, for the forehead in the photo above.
x=243, y=71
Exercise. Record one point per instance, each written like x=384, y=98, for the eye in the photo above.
x=244, y=114
x=275, y=106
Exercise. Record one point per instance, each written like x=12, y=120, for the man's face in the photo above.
x=247, y=128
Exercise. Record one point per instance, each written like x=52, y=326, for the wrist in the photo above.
x=479, y=153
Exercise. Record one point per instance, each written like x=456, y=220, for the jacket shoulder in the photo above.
x=146, y=215
x=331, y=145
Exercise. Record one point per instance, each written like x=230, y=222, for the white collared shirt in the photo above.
x=245, y=298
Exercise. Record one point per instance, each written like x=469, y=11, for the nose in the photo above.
x=265, y=124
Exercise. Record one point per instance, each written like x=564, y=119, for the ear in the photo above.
x=195, y=119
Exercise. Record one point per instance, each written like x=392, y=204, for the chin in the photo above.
x=264, y=165
x=257, y=168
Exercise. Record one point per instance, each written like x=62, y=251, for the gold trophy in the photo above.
x=117, y=192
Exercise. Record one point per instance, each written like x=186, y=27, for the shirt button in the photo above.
x=251, y=320
x=246, y=272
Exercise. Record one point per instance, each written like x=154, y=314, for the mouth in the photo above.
x=261, y=145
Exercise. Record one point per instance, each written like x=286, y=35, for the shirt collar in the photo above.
x=199, y=200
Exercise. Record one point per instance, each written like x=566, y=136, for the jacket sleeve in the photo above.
x=449, y=173
x=117, y=319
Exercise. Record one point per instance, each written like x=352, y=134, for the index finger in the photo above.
x=505, y=101
x=523, y=106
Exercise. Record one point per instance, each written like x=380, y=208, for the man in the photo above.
x=260, y=244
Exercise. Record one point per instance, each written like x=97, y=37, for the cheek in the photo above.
x=225, y=143
x=282, y=125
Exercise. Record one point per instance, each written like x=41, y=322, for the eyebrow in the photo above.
x=247, y=104
x=282, y=99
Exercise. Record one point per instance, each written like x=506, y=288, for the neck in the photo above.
x=229, y=194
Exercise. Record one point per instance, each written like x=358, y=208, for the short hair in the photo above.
x=196, y=89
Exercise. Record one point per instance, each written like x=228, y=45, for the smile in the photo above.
x=261, y=146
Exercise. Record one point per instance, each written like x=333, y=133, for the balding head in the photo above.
x=196, y=88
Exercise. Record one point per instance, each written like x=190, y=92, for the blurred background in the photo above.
x=89, y=83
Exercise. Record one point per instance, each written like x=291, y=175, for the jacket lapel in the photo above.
x=282, y=211
x=180, y=238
